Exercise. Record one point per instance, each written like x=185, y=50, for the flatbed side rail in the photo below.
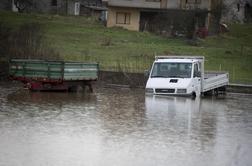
x=41, y=70
x=179, y=57
x=215, y=81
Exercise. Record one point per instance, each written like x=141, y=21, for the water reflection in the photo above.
x=123, y=127
x=185, y=119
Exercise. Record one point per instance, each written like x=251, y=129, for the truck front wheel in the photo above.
x=194, y=95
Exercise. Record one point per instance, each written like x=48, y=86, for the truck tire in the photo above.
x=194, y=95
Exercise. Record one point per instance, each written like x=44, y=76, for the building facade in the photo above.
x=160, y=15
x=67, y=7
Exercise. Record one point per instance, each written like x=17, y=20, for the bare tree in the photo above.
x=22, y=5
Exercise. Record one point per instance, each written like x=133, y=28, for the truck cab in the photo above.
x=175, y=76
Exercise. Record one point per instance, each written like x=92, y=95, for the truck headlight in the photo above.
x=181, y=90
x=149, y=90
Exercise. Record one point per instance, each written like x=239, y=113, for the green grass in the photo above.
x=84, y=39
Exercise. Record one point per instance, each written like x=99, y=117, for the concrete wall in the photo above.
x=134, y=18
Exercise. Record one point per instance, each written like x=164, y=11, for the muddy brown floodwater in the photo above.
x=123, y=127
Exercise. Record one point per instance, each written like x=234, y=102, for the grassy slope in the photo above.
x=83, y=39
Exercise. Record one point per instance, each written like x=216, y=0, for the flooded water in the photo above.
x=123, y=127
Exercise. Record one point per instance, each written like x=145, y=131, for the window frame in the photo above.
x=126, y=15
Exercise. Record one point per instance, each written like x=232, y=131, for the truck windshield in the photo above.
x=171, y=70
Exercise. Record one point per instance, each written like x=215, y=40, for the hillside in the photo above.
x=84, y=39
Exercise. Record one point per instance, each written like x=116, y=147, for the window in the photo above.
x=122, y=18
x=193, y=1
x=196, y=71
x=54, y=2
x=172, y=70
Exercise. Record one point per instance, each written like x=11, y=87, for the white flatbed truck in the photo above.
x=185, y=76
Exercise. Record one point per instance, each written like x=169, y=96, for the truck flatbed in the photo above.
x=213, y=80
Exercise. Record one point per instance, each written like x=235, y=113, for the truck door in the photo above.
x=197, y=78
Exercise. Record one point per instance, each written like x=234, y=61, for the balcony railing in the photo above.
x=135, y=3
x=160, y=4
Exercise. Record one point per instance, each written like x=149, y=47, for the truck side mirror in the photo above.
x=146, y=73
x=197, y=74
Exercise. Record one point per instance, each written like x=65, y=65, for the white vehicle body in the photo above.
x=183, y=75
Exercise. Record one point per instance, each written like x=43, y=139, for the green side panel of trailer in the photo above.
x=53, y=69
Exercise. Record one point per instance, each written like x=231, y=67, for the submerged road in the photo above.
x=123, y=127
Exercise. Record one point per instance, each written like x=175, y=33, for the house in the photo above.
x=66, y=7
x=162, y=16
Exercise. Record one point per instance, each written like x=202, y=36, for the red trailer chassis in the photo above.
x=43, y=84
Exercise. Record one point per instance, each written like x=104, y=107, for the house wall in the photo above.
x=134, y=18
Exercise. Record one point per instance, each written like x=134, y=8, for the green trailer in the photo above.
x=42, y=75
